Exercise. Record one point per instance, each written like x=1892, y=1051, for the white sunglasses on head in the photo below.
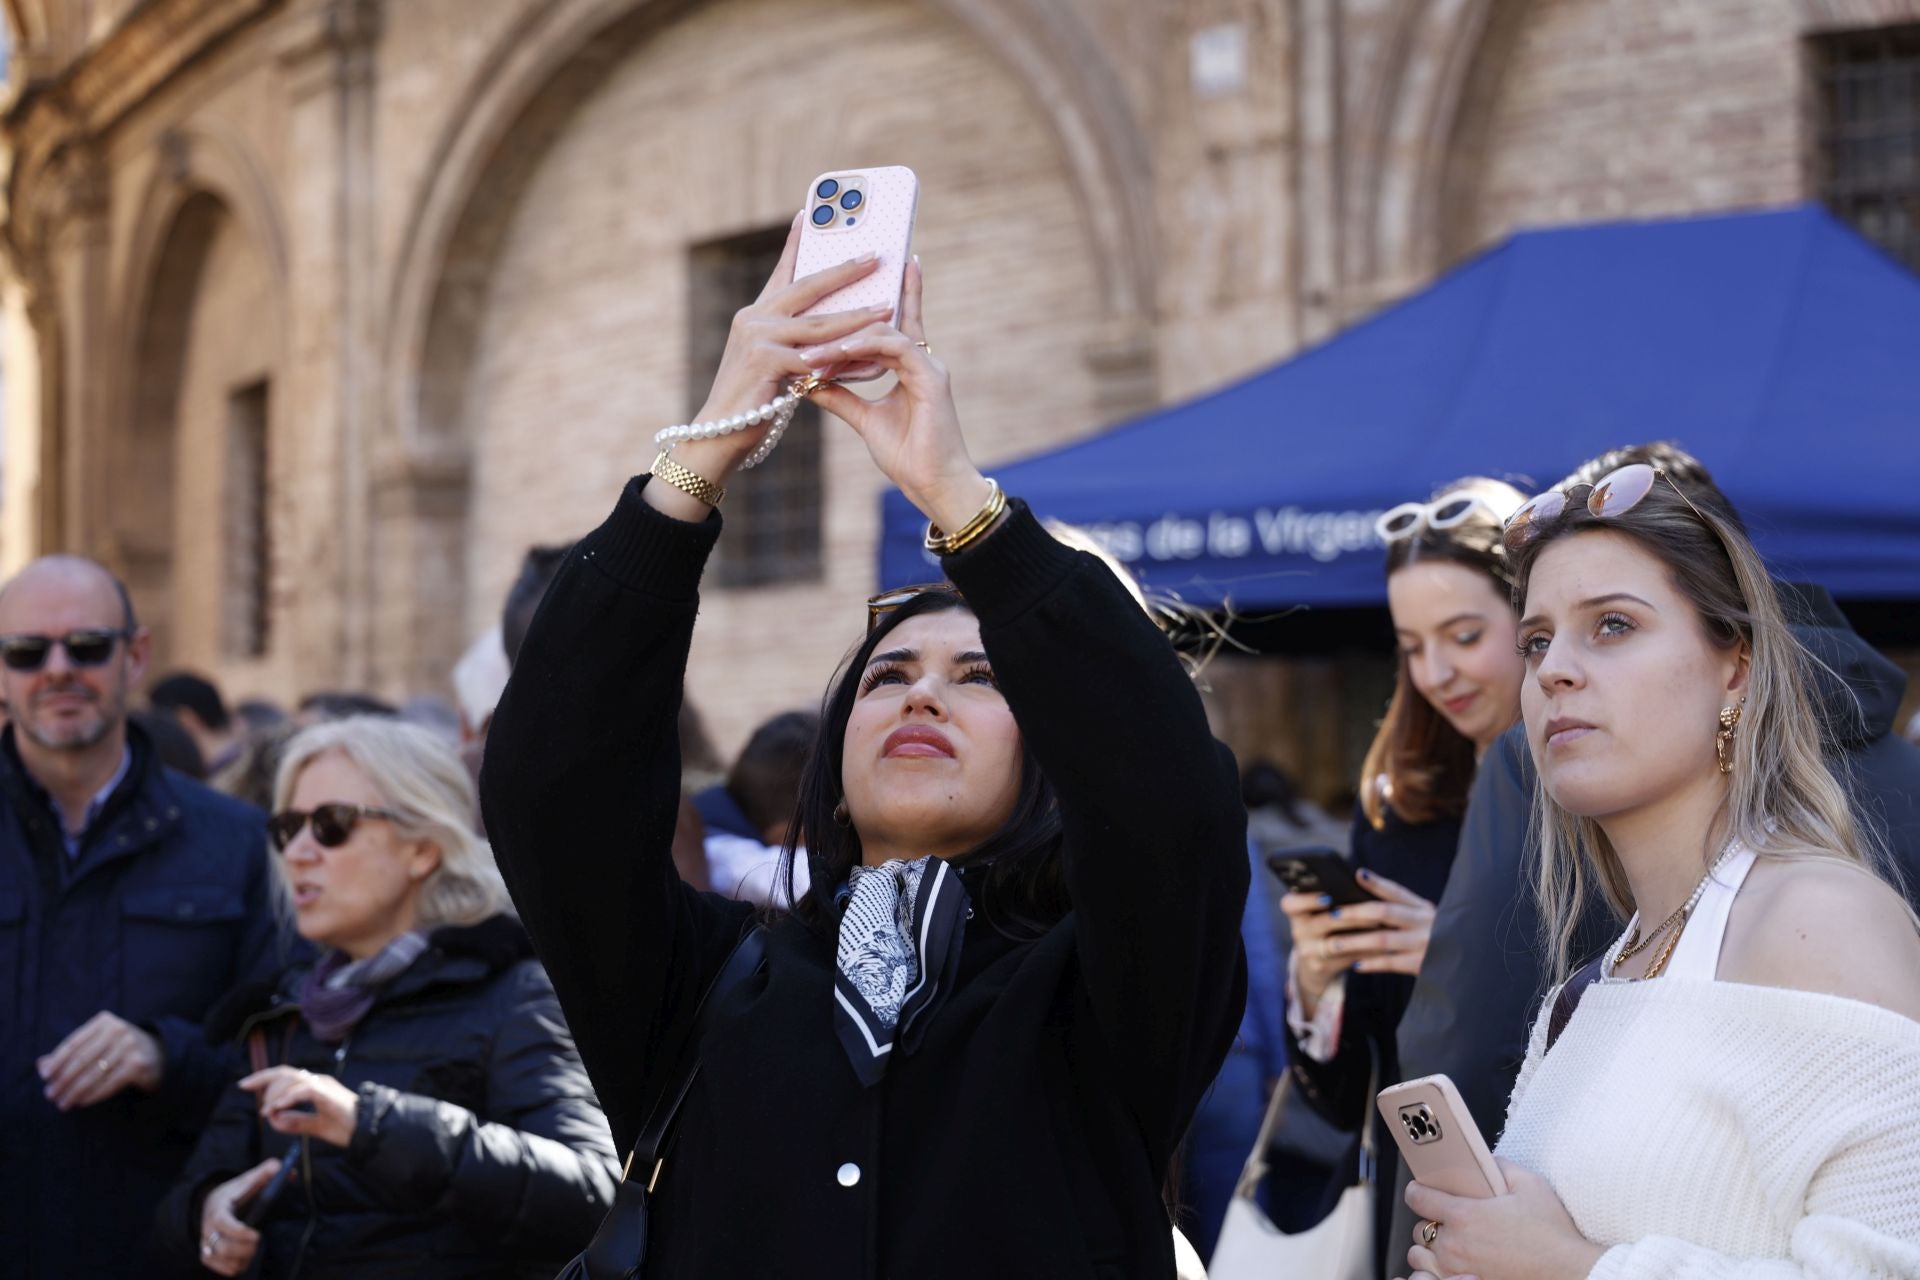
x=1444, y=512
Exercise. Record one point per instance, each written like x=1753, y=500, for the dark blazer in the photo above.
x=163, y=911
x=1420, y=857
x=478, y=1149
x=1031, y=1131
x=1484, y=975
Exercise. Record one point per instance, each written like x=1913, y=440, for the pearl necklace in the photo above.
x=779, y=411
x=1618, y=954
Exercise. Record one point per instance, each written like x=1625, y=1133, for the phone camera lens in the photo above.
x=851, y=200
x=827, y=189
x=823, y=215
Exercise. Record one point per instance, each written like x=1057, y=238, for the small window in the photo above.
x=773, y=513
x=249, y=556
x=1867, y=163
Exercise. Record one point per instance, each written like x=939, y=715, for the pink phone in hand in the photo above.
x=854, y=211
x=1438, y=1138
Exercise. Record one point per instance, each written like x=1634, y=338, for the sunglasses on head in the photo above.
x=1613, y=495
x=886, y=602
x=333, y=823
x=1444, y=512
x=86, y=647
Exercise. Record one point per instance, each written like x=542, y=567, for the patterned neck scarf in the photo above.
x=338, y=991
x=899, y=951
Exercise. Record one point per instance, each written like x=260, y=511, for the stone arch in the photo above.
x=519, y=100
x=520, y=93
x=1406, y=143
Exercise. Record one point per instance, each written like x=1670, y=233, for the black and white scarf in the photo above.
x=901, y=927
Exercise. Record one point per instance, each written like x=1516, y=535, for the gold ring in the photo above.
x=806, y=386
x=1429, y=1232
x=925, y=346
x=104, y=1066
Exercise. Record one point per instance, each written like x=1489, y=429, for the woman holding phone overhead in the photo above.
x=1458, y=688
x=974, y=1044
x=1728, y=1091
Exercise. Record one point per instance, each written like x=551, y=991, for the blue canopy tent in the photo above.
x=1780, y=347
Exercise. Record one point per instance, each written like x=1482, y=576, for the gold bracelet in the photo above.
x=946, y=544
x=691, y=483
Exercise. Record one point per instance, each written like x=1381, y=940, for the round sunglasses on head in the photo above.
x=333, y=823
x=85, y=646
x=1444, y=512
x=1612, y=496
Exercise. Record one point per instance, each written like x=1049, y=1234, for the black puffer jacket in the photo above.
x=479, y=1149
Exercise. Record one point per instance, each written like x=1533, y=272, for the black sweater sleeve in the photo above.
x=1154, y=832
x=581, y=788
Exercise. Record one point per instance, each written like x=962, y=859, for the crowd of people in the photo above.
x=977, y=969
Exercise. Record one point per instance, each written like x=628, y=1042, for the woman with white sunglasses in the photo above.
x=1458, y=688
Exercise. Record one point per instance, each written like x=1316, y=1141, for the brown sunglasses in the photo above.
x=886, y=602
x=333, y=823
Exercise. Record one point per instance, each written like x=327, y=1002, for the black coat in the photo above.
x=478, y=1149
x=1484, y=972
x=1420, y=857
x=164, y=910
x=1032, y=1130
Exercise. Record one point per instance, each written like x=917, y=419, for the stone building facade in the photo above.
x=321, y=311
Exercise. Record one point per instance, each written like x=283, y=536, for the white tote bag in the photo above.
x=1339, y=1247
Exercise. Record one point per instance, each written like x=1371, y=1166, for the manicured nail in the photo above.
x=1364, y=874
x=1326, y=899
x=1354, y=967
x=1334, y=914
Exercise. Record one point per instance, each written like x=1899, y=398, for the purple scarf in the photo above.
x=338, y=991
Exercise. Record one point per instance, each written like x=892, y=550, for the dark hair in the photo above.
x=171, y=742
x=196, y=693
x=537, y=571
x=340, y=704
x=1024, y=891
x=765, y=778
x=259, y=714
x=1418, y=763
x=1264, y=784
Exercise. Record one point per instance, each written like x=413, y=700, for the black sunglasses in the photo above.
x=86, y=647
x=333, y=823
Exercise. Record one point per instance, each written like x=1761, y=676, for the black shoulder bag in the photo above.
x=618, y=1250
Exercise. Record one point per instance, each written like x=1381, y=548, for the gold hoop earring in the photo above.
x=1723, y=740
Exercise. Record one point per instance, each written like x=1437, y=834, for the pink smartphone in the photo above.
x=1438, y=1138
x=856, y=211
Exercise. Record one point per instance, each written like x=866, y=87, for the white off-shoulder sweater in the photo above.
x=1699, y=1128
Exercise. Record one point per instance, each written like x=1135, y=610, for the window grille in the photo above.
x=774, y=513
x=1867, y=161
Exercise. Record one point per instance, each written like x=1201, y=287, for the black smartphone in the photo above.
x=1318, y=870
x=261, y=1205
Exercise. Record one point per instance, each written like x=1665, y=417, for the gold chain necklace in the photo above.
x=1677, y=922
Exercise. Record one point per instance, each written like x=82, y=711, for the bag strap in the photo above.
x=1569, y=997
x=742, y=963
x=1254, y=1171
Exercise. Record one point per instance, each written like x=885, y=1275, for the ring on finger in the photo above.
x=925, y=346
x=1429, y=1232
x=104, y=1066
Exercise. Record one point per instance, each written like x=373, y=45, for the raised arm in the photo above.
x=1153, y=825
x=581, y=783
x=1154, y=830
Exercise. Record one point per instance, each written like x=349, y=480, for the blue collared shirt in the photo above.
x=72, y=838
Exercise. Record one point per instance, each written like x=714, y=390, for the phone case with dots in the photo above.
x=882, y=222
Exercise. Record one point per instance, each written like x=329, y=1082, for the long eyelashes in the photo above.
x=888, y=672
x=1608, y=626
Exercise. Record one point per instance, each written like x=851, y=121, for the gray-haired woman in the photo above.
x=419, y=1072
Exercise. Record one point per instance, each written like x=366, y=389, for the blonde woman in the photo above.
x=1727, y=1092
x=420, y=1071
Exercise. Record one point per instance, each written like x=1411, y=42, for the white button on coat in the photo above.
x=849, y=1174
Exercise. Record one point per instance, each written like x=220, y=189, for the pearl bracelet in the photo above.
x=779, y=411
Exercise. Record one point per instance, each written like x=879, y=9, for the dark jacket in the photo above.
x=1484, y=974
x=478, y=1148
x=1420, y=857
x=1030, y=1132
x=163, y=911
